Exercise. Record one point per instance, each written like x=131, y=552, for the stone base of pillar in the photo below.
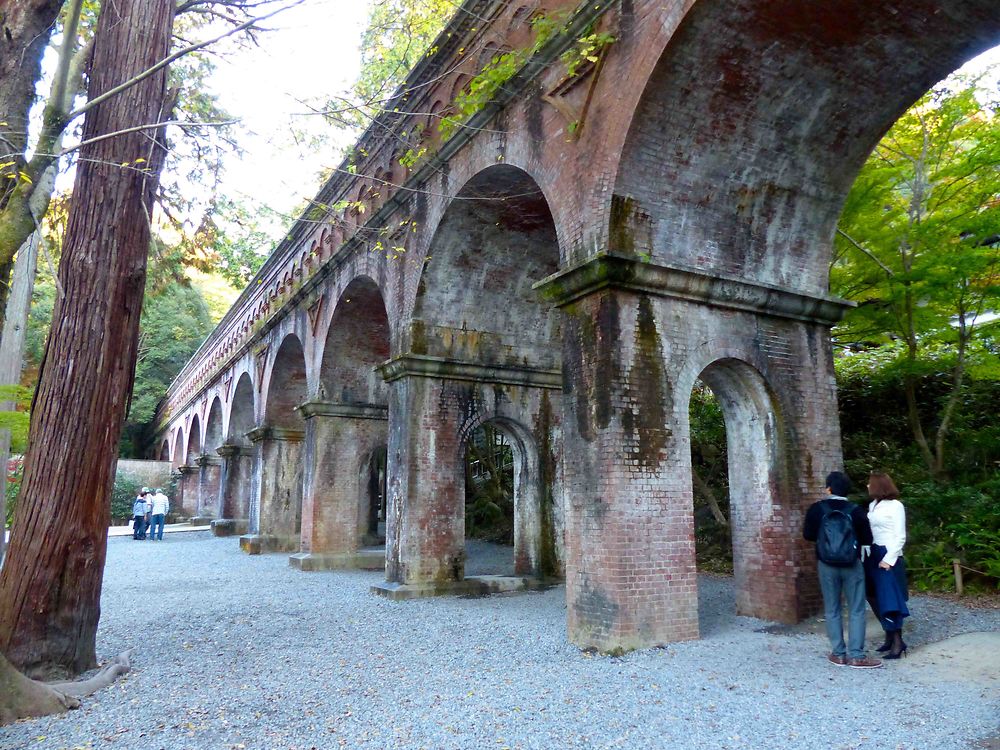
x=257, y=544
x=230, y=526
x=471, y=586
x=363, y=559
x=200, y=520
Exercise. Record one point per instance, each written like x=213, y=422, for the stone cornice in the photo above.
x=421, y=365
x=312, y=409
x=229, y=450
x=187, y=469
x=267, y=432
x=207, y=459
x=611, y=271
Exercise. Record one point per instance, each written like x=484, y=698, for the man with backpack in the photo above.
x=841, y=532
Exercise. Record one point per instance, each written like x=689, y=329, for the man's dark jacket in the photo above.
x=859, y=519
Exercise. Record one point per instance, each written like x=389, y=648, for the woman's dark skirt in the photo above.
x=886, y=589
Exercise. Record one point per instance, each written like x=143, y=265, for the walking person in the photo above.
x=139, y=515
x=160, y=508
x=841, y=532
x=885, y=569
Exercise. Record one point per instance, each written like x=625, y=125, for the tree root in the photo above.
x=22, y=697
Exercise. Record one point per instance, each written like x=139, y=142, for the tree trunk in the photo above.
x=50, y=608
x=25, y=27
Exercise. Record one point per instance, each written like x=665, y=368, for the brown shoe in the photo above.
x=840, y=661
x=864, y=662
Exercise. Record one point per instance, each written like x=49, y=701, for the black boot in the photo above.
x=898, y=647
x=888, y=642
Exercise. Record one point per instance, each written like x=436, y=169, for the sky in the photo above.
x=311, y=53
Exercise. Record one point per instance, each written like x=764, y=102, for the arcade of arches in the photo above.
x=568, y=292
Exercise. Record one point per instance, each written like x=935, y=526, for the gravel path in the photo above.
x=245, y=652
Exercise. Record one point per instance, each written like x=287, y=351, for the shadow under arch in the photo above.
x=758, y=480
x=475, y=299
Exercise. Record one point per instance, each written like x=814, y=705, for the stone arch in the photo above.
x=287, y=385
x=177, y=459
x=357, y=340
x=164, y=454
x=498, y=235
x=744, y=168
x=758, y=481
x=213, y=426
x=534, y=553
x=242, y=412
x=193, y=442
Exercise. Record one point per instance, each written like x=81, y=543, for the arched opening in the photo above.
x=484, y=349
x=373, y=501
x=165, y=451
x=739, y=467
x=177, y=460
x=489, y=501
x=210, y=464
x=213, y=427
x=280, y=510
x=356, y=342
x=238, y=456
x=193, y=443
x=241, y=413
x=499, y=237
x=345, y=428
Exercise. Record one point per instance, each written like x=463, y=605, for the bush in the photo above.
x=15, y=471
x=953, y=521
x=122, y=497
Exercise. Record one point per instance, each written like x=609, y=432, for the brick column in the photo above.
x=209, y=475
x=276, y=500
x=234, y=490
x=339, y=442
x=636, y=336
x=425, y=540
x=187, y=490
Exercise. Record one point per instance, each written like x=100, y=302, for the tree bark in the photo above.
x=50, y=586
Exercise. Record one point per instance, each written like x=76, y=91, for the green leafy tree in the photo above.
x=918, y=247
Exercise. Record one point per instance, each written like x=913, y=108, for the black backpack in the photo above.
x=836, y=543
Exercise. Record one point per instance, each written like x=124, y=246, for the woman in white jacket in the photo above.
x=885, y=569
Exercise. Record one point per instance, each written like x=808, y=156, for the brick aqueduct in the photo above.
x=565, y=268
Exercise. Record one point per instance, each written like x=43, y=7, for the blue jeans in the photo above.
x=156, y=520
x=849, y=583
x=138, y=527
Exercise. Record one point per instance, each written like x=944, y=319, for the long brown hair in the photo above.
x=881, y=487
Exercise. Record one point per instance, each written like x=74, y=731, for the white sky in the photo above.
x=311, y=54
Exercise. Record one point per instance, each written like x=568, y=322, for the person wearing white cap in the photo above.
x=160, y=508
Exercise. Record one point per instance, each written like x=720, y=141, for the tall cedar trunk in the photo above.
x=50, y=586
x=25, y=27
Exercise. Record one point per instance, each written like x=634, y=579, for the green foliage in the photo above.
x=918, y=248
x=949, y=522
x=16, y=421
x=489, y=487
x=175, y=320
x=15, y=473
x=398, y=35
x=230, y=242
x=123, y=495
x=586, y=49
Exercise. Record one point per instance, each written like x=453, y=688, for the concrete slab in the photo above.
x=230, y=526
x=471, y=586
x=970, y=657
x=372, y=558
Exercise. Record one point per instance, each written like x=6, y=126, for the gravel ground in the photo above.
x=245, y=652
